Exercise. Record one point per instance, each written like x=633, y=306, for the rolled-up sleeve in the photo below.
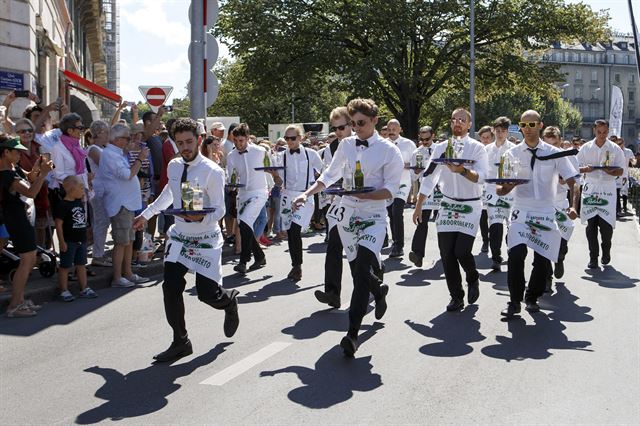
x=334, y=172
x=215, y=193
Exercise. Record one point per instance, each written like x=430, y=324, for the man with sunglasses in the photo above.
x=497, y=207
x=361, y=217
x=598, y=208
x=533, y=215
x=339, y=120
x=622, y=182
x=431, y=203
x=460, y=208
x=396, y=208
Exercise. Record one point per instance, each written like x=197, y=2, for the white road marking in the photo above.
x=245, y=364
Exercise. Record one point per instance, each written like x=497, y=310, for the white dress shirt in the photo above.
x=539, y=193
x=300, y=169
x=209, y=177
x=245, y=165
x=494, y=153
x=561, y=196
x=121, y=190
x=381, y=164
x=454, y=185
x=592, y=155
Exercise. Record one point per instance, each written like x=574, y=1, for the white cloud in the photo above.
x=170, y=66
x=150, y=17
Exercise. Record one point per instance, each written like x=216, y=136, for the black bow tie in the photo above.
x=362, y=142
x=294, y=151
x=243, y=152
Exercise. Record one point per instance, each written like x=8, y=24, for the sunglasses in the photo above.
x=531, y=124
x=358, y=123
x=21, y=131
x=424, y=139
x=77, y=127
x=341, y=127
x=290, y=138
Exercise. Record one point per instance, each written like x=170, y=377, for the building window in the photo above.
x=594, y=76
x=632, y=113
x=632, y=78
x=593, y=110
x=612, y=58
x=616, y=78
x=630, y=132
x=578, y=92
x=578, y=76
x=632, y=96
x=594, y=93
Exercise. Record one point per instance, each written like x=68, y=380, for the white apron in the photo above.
x=201, y=253
x=302, y=216
x=538, y=230
x=249, y=205
x=331, y=218
x=565, y=224
x=598, y=200
x=498, y=208
x=360, y=227
x=432, y=202
x=459, y=216
x=405, y=186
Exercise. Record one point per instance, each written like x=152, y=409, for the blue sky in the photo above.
x=155, y=35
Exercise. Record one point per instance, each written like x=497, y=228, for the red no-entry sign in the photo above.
x=155, y=95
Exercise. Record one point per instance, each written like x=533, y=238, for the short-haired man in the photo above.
x=533, y=215
x=340, y=124
x=384, y=132
x=300, y=166
x=361, y=217
x=602, y=161
x=152, y=123
x=622, y=182
x=396, y=208
x=121, y=199
x=252, y=196
x=485, y=135
x=497, y=207
x=460, y=208
x=419, y=158
x=194, y=241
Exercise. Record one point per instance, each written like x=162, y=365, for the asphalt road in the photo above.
x=577, y=361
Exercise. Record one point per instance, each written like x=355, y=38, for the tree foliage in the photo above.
x=408, y=55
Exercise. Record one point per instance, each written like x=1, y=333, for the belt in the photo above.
x=462, y=199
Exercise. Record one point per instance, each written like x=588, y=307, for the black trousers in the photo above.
x=484, y=225
x=209, y=292
x=249, y=244
x=618, y=201
x=564, y=248
x=364, y=282
x=333, y=263
x=515, y=275
x=606, y=233
x=294, y=241
x=396, y=218
x=496, y=231
x=455, y=251
x=420, y=235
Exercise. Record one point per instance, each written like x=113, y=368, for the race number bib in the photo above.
x=537, y=230
x=339, y=213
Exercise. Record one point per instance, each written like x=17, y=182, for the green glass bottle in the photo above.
x=266, y=160
x=358, y=176
x=234, y=177
x=501, y=168
x=449, y=151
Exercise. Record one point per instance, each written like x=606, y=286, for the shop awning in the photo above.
x=90, y=87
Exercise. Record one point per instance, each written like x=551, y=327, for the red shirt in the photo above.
x=168, y=154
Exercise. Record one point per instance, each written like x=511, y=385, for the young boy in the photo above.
x=71, y=226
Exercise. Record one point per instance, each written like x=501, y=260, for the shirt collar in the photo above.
x=115, y=148
x=195, y=161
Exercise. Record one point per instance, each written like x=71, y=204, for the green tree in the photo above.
x=407, y=54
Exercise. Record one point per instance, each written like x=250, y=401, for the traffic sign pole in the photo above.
x=198, y=18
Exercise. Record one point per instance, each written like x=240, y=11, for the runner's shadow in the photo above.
x=284, y=287
x=532, y=341
x=563, y=305
x=143, y=391
x=422, y=277
x=455, y=332
x=315, y=248
x=609, y=277
x=237, y=280
x=334, y=378
x=394, y=264
x=320, y=322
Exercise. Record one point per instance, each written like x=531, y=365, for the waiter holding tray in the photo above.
x=195, y=240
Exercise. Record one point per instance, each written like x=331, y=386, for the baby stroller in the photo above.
x=9, y=262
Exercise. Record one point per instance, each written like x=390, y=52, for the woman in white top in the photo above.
x=100, y=224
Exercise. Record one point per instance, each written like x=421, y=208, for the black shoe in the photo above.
x=241, y=268
x=606, y=259
x=417, y=260
x=532, y=307
x=175, y=351
x=349, y=345
x=485, y=247
x=231, y=319
x=296, y=273
x=385, y=243
x=381, y=302
x=513, y=308
x=396, y=251
x=259, y=263
x=496, y=266
x=455, y=305
x=473, y=292
x=558, y=270
x=330, y=299
x=593, y=264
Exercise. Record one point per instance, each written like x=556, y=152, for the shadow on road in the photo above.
x=394, y=264
x=609, y=277
x=422, y=277
x=143, y=391
x=320, y=322
x=564, y=306
x=532, y=341
x=236, y=280
x=453, y=330
x=284, y=287
x=316, y=248
x=334, y=378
